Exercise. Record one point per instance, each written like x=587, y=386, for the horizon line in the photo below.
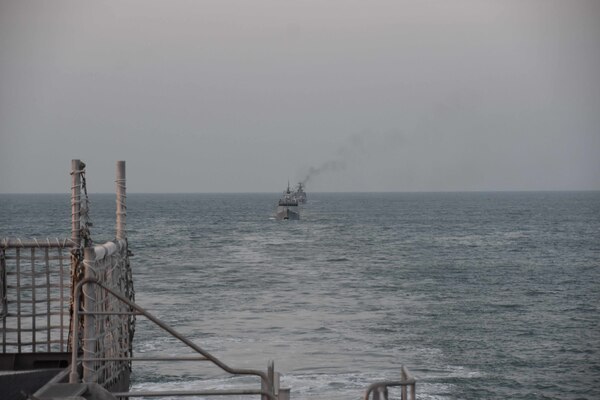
x=341, y=192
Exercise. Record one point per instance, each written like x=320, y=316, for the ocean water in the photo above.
x=480, y=295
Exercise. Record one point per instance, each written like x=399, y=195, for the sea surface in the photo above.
x=480, y=295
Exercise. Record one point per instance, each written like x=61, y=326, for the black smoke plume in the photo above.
x=329, y=166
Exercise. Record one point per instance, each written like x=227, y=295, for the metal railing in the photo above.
x=35, y=292
x=268, y=389
x=37, y=279
x=379, y=390
x=107, y=323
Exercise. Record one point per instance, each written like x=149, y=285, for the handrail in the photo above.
x=61, y=243
x=74, y=375
x=149, y=359
x=174, y=393
x=405, y=380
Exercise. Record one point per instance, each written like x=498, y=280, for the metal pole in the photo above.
x=89, y=321
x=76, y=167
x=267, y=386
x=235, y=371
x=3, y=300
x=33, y=302
x=48, y=300
x=283, y=394
x=61, y=299
x=19, y=294
x=121, y=205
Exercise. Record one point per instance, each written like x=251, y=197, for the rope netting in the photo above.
x=108, y=332
x=37, y=278
x=107, y=326
x=35, y=292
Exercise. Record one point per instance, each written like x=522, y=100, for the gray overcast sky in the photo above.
x=240, y=96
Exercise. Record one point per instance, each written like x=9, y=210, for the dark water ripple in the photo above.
x=481, y=295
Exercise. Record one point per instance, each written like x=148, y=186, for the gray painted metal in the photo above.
x=380, y=392
x=142, y=359
x=267, y=390
x=14, y=384
x=58, y=390
x=194, y=393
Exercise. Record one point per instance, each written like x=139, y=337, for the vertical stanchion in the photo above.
x=121, y=205
x=61, y=299
x=48, y=301
x=76, y=167
x=3, y=298
x=405, y=377
x=18, y=251
x=268, y=386
x=33, y=303
x=89, y=321
x=125, y=330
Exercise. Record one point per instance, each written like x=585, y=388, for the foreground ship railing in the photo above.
x=34, y=295
x=268, y=389
x=379, y=390
x=67, y=313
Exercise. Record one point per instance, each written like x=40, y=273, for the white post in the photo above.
x=89, y=321
x=121, y=205
x=76, y=167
